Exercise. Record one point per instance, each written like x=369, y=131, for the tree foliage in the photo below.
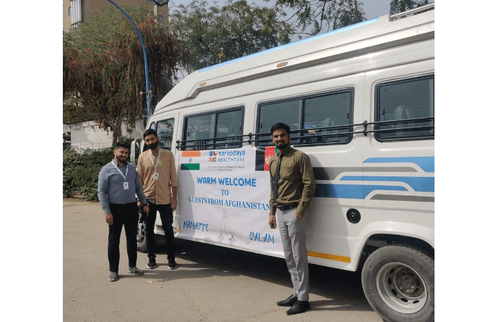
x=317, y=16
x=398, y=6
x=81, y=172
x=217, y=34
x=103, y=67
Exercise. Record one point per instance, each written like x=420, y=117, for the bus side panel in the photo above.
x=403, y=169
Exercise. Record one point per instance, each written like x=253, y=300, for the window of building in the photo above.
x=215, y=130
x=405, y=109
x=313, y=120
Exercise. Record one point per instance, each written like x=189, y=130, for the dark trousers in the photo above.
x=166, y=221
x=123, y=215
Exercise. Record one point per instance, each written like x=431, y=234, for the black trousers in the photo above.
x=166, y=221
x=123, y=215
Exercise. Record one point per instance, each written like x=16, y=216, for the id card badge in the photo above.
x=156, y=175
x=125, y=185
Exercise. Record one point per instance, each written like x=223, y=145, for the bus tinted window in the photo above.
x=313, y=120
x=287, y=112
x=165, y=130
x=217, y=130
x=405, y=109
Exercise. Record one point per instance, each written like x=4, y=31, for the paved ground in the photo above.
x=212, y=283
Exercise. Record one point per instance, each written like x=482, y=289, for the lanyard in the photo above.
x=152, y=160
x=126, y=171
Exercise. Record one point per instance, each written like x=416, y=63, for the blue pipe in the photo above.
x=148, y=96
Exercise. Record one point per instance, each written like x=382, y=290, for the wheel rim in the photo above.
x=141, y=228
x=401, y=288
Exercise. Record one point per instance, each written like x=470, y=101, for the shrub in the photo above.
x=81, y=172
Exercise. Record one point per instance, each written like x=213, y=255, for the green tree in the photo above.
x=103, y=67
x=313, y=17
x=81, y=172
x=398, y=6
x=215, y=34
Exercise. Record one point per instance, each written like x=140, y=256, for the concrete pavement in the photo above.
x=212, y=283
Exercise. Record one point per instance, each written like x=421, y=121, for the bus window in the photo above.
x=313, y=120
x=217, y=130
x=287, y=112
x=326, y=112
x=165, y=130
x=230, y=126
x=405, y=109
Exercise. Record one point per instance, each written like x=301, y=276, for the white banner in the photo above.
x=224, y=199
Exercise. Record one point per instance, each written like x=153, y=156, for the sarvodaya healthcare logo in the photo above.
x=212, y=156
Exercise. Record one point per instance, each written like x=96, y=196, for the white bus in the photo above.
x=360, y=104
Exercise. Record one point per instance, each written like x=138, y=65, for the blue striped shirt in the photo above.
x=110, y=186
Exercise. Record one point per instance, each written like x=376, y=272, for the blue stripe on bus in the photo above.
x=351, y=191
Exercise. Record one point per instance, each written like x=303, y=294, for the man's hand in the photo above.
x=272, y=221
x=109, y=219
x=173, y=204
x=299, y=216
x=146, y=210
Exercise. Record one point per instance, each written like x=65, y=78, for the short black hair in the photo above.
x=149, y=132
x=122, y=144
x=282, y=126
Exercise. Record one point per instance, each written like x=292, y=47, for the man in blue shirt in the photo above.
x=116, y=189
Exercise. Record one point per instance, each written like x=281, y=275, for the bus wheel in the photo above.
x=141, y=236
x=398, y=282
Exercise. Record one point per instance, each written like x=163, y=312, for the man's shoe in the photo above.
x=113, y=277
x=152, y=263
x=298, y=307
x=289, y=301
x=134, y=270
x=172, y=265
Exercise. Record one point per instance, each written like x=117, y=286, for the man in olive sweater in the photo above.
x=292, y=188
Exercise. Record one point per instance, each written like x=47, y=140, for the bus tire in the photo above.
x=398, y=282
x=141, y=237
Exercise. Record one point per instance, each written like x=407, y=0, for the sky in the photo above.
x=372, y=8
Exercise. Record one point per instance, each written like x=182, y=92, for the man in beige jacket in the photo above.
x=156, y=168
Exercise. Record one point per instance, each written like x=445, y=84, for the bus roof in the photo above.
x=362, y=38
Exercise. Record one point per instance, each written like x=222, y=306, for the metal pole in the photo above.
x=148, y=92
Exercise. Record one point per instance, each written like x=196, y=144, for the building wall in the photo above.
x=89, y=136
x=82, y=9
x=66, y=15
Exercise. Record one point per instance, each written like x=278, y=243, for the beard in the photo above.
x=121, y=159
x=153, y=146
x=281, y=145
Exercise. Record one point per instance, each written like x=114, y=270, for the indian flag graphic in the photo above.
x=192, y=164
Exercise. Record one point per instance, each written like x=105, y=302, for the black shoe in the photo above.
x=152, y=263
x=289, y=301
x=172, y=265
x=135, y=271
x=298, y=307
